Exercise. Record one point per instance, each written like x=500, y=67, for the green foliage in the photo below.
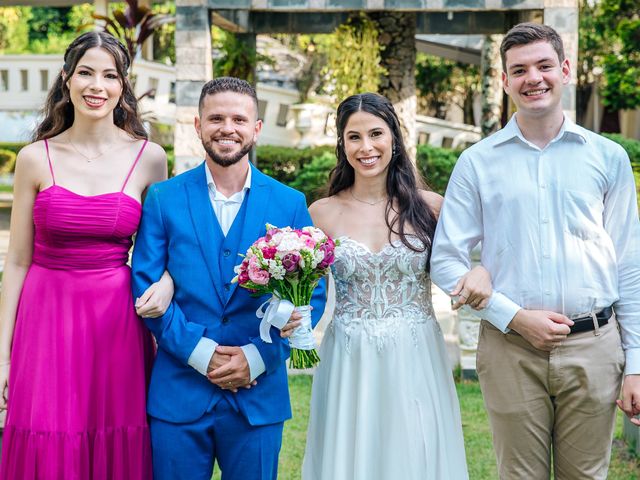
x=40, y=30
x=237, y=57
x=164, y=47
x=171, y=159
x=7, y=161
x=353, y=58
x=631, y=146
x=435, y=164
x=47, y=21
x=284, y=163
x=434, y=81
x=442, y=82
x=313, y=178
x=14, y=29
x=13, y=146
x=618, y=24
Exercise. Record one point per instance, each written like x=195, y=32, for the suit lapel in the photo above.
x=205, y=225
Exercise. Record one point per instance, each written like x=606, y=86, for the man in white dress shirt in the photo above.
x=554, y=206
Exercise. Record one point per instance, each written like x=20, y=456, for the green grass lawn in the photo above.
x=477, y=436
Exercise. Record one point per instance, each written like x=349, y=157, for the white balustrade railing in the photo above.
x=26, y=79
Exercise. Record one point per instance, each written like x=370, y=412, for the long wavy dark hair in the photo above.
x=402, y=183
x=58, y=110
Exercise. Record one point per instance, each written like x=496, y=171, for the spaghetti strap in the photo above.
x=46, y=146
x=134, y=165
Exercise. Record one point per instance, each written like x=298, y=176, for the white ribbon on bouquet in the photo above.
x=277, y=314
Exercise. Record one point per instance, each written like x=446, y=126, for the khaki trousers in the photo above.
x=561, y=401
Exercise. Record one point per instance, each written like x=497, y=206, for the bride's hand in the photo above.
x=156, y=299
x=473, y=289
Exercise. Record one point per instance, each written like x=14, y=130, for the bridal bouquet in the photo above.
x=287, y=263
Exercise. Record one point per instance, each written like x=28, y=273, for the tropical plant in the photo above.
x=133, y=25
x=236, y=57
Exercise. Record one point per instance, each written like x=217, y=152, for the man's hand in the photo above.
x=630, y=403
x=217, y=360
x=473, y=289
x=544, y=330
x=234, y=373
x=291, y=325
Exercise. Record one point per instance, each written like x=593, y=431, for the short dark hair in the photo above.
x=227, y=84
x=526, y=33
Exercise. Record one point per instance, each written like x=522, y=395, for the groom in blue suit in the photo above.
x=218, y=392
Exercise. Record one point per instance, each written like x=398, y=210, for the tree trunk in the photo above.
x=396, y=32
x=491, y=69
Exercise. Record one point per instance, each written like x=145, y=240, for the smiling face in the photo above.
x=534, y=78
x=95, y=86
x=228, y=126
x=368, y=144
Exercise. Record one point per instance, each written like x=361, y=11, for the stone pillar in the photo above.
x=193, y=69
x=396, y=33
x=563, y=16
x=492, y=92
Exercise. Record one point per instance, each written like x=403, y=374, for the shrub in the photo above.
x=284, y=163
x=7, y=161
x=631, y=146
x=313, y=178
x=435, y=164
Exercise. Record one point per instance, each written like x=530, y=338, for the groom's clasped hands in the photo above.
x=229, y=368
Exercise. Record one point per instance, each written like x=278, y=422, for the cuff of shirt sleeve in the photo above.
x=632, y=364
x=201, y=355
x=500, y=311
x=254, y=359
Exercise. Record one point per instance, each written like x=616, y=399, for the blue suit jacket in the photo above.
x=179, y=232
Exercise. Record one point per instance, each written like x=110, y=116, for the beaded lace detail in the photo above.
x=378, y=294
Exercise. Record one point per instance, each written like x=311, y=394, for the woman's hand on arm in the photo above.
x=156, y=299
x=473, y=289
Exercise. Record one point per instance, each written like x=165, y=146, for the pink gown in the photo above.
x=80, y=355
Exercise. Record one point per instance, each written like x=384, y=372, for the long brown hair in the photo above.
x=402, y=183
x=58, y=111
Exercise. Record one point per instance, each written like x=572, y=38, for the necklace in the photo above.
x=365, y=201
x=89, y=158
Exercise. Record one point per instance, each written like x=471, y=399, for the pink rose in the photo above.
x=258, y=276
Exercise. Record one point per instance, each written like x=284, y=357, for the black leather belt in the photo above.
x=585, y=324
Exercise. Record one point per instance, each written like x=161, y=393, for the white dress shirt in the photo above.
x=559, y=227
x=226, y=210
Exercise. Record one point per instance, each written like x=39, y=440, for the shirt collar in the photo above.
x=511, y=131
x=212, y=185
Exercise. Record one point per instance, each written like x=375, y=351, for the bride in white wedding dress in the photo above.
x=384, y=405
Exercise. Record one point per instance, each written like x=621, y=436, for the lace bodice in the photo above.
x=381, y=293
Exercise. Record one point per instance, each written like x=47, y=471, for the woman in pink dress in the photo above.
x=73, y=353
